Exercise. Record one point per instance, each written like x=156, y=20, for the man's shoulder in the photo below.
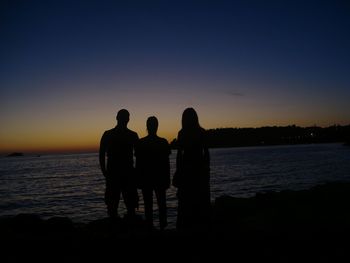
x=132, y=133
x=108, y=132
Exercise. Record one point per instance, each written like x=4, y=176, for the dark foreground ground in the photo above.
x=289, y=226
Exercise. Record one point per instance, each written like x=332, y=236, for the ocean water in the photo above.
x=73, y=186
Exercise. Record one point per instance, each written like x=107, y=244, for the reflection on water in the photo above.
x=73, y=186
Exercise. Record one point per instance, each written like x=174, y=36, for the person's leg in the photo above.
x=185, y=209
x=147, y=194
x=130, y=194
x=130, y=197
x=112, y=197
x=161, y=200
x=181, y=215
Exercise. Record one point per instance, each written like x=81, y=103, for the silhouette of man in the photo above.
x=119, y=145
x=152, y=164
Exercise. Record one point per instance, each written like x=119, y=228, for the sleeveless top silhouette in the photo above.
x=193, y=166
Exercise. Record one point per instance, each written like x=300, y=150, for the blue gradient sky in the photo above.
x=67, y=67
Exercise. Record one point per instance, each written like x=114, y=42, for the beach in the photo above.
x=283, y=226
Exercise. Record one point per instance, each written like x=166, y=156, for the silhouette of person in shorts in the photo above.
x=119, y=145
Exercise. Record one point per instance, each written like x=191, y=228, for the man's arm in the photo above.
x=102, y=155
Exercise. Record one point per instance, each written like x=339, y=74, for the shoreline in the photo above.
x=38, y=154
x=308, y=220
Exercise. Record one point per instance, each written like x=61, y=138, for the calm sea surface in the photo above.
x=73, y=186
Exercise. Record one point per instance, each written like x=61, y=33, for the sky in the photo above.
x=67, y=67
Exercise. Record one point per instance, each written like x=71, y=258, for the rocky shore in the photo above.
x=285, y=226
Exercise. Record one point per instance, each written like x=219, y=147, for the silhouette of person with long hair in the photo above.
x=192, y=174
x=119, y=145
x=153, y=169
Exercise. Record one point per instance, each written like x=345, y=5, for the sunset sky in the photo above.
x=67, y=67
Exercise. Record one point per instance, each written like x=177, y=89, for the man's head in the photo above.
x=123, y=117
x=152, y=125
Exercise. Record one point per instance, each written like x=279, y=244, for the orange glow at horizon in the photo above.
x=75, y=118
x=81, y=137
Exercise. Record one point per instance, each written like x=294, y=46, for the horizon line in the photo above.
x=93, y=149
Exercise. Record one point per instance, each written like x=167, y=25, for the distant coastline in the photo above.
x=275, y=135
x=245, y=137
